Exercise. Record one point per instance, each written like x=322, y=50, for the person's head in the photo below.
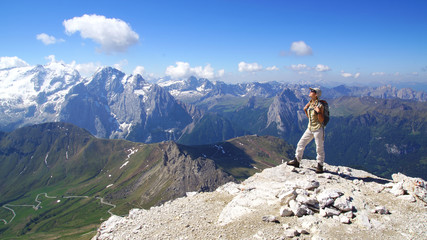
x=315, y=93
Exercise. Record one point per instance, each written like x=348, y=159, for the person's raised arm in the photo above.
x=306, y=107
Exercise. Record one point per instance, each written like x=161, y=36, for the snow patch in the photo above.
x=132, y=151
x=45, y=160
x=124, y=164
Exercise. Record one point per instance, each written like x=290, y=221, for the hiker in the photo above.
x=315, y=111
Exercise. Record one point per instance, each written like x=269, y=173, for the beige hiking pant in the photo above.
x=306, y=138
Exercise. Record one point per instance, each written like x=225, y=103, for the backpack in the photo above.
x=325, y=112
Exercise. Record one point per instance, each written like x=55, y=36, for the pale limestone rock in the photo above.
x=327, y=197
x=397, y=189
x=301, y=230
x=286, y=211
x=381, y=210
x=286, y=197
x=299, y=209
x=408, y=198
x=344, y=219
x=309, y=184
x=270, y=218
x=349, y=214
x=329, y=212
x=290, y=233
x=343, y=204
x=303, y=199
x=301, y=191
x=362, y=219
x=416, y=186
x=230, y=188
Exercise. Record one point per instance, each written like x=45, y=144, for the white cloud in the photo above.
x=183, y=70
x=120, y=64
x=299, y=67
x=86, y=69
x=139, y=70
x=11, y=62
x=322, y=68
x=348, y=75
x=51, y=58
x=47, y=40
x=300, y=48
x=221, y=72
x=206, y=72
x=114, y=35
x=272, y=68
x=378, y=73
x=249, y=67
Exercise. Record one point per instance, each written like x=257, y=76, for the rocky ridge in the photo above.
x=286, y=202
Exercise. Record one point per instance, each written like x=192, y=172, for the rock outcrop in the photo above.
x=286, y=202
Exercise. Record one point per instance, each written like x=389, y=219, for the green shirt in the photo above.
x=313, y=117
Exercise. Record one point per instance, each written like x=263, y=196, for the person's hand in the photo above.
x=317, y=109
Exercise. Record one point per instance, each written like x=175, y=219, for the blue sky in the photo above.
x=353, y=42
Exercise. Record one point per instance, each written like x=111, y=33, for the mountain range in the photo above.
x=371, y=128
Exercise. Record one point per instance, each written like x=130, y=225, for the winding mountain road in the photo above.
x=36, y=207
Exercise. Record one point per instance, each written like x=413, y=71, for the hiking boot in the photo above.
x=319, y=168
x=294, y=163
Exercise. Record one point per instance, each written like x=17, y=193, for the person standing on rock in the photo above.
x=315, y=113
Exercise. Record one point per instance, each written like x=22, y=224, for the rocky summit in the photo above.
x=286, y=202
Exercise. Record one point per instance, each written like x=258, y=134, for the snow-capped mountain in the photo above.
x=195, y=90
x=34, y=94
x=116, y=105
x=188, y=90
x=111, y=104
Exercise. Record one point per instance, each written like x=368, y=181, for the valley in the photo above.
x=57, y=179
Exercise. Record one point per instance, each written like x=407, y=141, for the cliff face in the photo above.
x=281, y=202
x=170, y=177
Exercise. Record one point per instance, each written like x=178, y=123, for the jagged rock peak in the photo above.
x=284, y=202
x=109, y=79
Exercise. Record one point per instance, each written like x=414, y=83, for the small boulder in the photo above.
x=343, y=204
x=299, y=209
x=307, y=200
x=270, y=218
x=290, y=233
x=381, y=210
x=310, y=184
x=397, y=189
x=286, y=211
x=328, y=196
x=329, y=212
x=344, y=219
x=287, y=196
x=301, y=230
